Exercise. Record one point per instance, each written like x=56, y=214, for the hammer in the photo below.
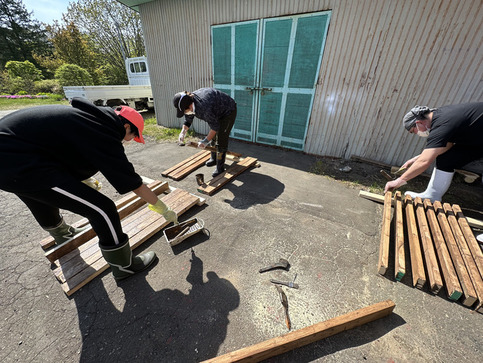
x=282, y=263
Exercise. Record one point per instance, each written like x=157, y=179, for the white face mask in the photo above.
x=188, y=112
x=423, y=133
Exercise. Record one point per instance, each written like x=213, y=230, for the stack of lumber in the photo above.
x=182, y=169
x=79, y=261
x=442, y=248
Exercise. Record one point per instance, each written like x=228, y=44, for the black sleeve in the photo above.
x=188, y=120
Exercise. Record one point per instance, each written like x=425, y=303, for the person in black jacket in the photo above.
x=47, y=152
x=218, y=110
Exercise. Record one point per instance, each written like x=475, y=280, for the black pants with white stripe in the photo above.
x=81, y=199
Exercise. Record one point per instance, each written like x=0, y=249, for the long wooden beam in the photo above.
x=380, y=199
x=417, y=265
x=434, y=275
x=469, y=293
x=399, y=253
x=383, y=261
x=310, y=334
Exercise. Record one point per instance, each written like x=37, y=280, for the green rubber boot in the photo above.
x=63, y=233
x=122, y=262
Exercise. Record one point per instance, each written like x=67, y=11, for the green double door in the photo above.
x=270, y=67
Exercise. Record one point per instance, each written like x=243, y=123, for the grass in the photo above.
x=160, y=133
x=18, y=103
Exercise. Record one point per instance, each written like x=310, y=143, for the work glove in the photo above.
x=394, y=184
x=204, y=143
x=161, y=208
x=93, y=183
x=181, y=137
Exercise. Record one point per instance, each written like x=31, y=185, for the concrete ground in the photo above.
x=206, y=297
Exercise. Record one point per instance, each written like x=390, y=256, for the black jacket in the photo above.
x=42, y=147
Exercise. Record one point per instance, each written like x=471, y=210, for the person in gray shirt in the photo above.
x=218, y=110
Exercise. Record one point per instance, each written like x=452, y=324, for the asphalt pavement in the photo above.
x=206, y=297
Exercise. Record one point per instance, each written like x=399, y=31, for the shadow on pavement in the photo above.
x=157, y=326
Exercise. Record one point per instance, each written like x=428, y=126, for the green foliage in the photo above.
x=47, y=86
x=114, y=31
x=25, y=70
x=19, y=34
x=73, y=75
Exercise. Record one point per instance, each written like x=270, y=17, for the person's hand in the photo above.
x=161, y=208
x=93, y=183
x=394, y=184
x=204, y=143
x=181, y=137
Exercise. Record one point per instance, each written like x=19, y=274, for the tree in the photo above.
x=73, y=75
x=114, y=30
x=19, y=34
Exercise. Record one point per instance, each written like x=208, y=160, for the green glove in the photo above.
x=161, y=208
x=93, y=183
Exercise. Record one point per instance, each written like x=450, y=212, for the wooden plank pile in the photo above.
x=79, y=261
x=182, y=169
x=442, y=248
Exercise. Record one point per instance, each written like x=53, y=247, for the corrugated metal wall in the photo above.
x=381, y=58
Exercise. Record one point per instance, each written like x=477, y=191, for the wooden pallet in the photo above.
x=180, y=170
x=217, y=182
x=439, y=232
x=81, y=265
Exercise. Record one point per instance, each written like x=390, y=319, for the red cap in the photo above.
x=134, y=117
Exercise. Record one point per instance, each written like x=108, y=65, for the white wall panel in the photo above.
x=381, y=58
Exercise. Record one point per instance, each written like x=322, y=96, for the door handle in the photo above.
x=251, y=89
x=265, y=89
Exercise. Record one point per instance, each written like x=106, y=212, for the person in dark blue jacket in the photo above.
x=218, y=110
x=47, y=152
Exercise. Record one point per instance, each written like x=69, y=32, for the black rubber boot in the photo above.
x=63, y=232
x=212, y=161
x=122, y=262
x=220, y=164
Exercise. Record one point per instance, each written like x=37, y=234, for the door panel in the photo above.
x=270, y=67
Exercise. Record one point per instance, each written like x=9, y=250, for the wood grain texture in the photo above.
x=417, y=263
x=434, y=275
x=399, y=255
x=310, y=334
x=383, y=261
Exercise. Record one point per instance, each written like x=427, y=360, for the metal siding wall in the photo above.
x=381, y=58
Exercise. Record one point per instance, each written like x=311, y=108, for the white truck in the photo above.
x=137, y=94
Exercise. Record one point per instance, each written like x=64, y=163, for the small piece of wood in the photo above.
x=469, y=293
x=310, y=334
x=434, y=275
x=385, y=235
x=417, y=264
x=452, y=284
x=380, y=199
x=399, y=256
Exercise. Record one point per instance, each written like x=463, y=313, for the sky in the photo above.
x=46, y=11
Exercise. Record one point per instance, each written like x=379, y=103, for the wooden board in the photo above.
x=48, y=242
x=82, y=265
x=180, y=170
x=466, y=255
x=417, y=264
x=383, y=262
x=310, y=334
x=434, y=275
x=399, y=255
x=217, y=182
x=470, y=238
x=380, y=199
x=469, y=293
x=452, y=284
x=81, y=238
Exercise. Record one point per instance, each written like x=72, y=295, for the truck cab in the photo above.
x=137, y=71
